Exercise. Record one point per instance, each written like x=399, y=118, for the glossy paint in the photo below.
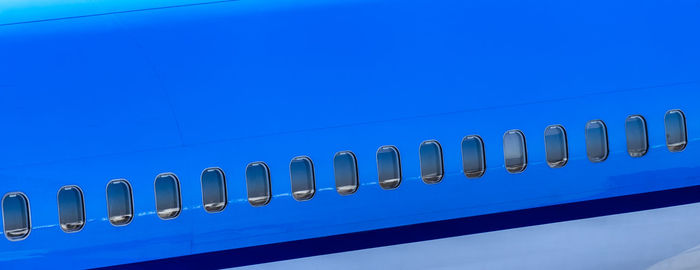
x=132, y=94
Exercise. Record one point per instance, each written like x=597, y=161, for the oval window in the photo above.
x=214, y=196
x=15, y=216
x=71, y=209
x=388, y=167
x=555, y=145
x=431, y=163
x=120, y=204
x=257, y=176
x=596, y=141
x=345, y=170
x=637, y=140
x=473, y=158
x=301, y=172
x=167, y=189
x=676, y=134
x=514, y=151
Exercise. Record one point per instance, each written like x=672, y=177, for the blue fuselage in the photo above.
x=127, y=94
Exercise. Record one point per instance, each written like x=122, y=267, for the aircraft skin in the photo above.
x=95, y=92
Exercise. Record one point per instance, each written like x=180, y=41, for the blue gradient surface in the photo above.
x=131, y=95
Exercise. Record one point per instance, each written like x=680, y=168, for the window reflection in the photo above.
x=676, y=134
x=514, y=151
x=636, y=131
x=596, y=141
x=258, y=183
x=119, y=202
x=214, y=196
x=473, y=158
x=388, y=167
x=431, y=163
x=15, y=216
x=345, y=170
x=301, y=172
x=71, y=210
x=167, y=189
x=555, y=145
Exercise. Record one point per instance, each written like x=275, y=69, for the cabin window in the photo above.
x=257, y=176
x=676, y=135
x=167, y=189
x=514, y=151
x=388, y=167
x=596, y=141
x=214, y=196
x=345, y=170
x=431, y=163
x=120, y=203
x=301, y=172
x=473, y=158
x=636, y=130
x=555, y=146
x=15, y=216
x=71, y=209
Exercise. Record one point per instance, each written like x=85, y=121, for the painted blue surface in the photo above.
x=131, y=95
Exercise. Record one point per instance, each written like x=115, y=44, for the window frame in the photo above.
x=524, y=151
x=398, y=161
x=563, y=162
x=605, y=137
x=356, y=172
x=313, y=178
x=179, y=195
x=442, y=162
x=483, y=156
x=29, y=215
x=685, y=131
x=82, y=203
x=223, y=177
x=131, y=201
x=646, y=136
x=269, y=183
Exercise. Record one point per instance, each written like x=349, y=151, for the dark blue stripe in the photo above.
x=426, y=231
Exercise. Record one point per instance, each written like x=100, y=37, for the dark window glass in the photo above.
x=514, y=151
x=473, y=158
x=596, y=141
x=71, y=210
x=555, y=146
x=257, y=176
x=214, y=196
x=676, y=135
x=15, y=216
x=431, y=165
x=301, y=173
x=388, y=167
x=636, y=130
x=345, y=169
x=167, y=189
x=119, y=202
